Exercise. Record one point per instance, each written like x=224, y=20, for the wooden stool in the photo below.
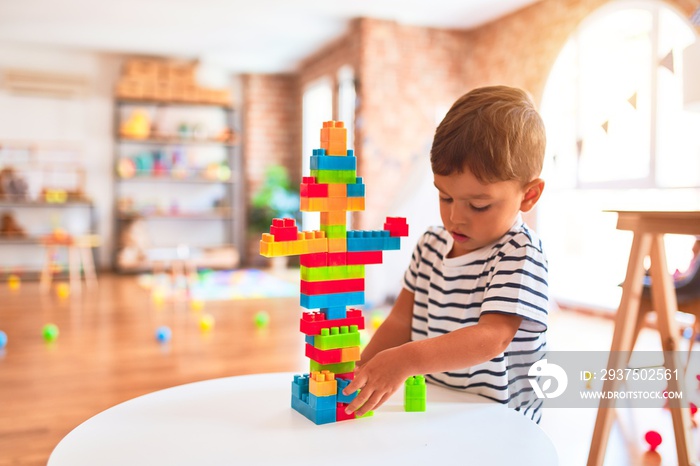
x=79, y=256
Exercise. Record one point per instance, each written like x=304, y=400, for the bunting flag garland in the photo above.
x=605, y=126
x=633, y=101
x=667, y=62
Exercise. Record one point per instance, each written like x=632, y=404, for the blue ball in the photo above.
x=3, y=339
x=687, y=333
x=163, y=334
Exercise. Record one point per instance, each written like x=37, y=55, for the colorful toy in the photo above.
x=333, y=263
x=50, y=332
x=414, y=394
x=13, y=282
x=163, y=334
x=3, y=340
x=262, y=319
x=206, y=323
x=63, y=290
x=654, y=439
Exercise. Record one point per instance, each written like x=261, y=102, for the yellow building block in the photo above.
x=337, y=245
x=323, y=383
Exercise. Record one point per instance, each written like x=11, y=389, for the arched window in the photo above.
x=618, y=138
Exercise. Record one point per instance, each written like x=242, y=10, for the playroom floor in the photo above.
x=106, y=353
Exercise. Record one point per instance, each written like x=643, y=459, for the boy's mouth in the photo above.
x=460, y=238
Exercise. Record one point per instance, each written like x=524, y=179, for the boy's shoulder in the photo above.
x=520, y=236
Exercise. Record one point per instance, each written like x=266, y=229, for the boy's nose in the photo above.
x=457, y=214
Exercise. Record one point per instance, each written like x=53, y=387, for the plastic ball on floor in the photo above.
x=196, y=305
x=163, y=334
x=262, y=319
x=50, y=332
x=63, y=290
x=377, y=319
x=3, y=340
x=653, y=438
x=13, y=282
x=206, y=323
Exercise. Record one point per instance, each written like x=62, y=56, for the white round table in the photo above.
x=248, y=420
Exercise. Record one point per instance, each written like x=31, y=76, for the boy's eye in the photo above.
x=445, y=199
x=480, y=208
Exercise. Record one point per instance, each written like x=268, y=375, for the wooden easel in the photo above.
x=649, y=229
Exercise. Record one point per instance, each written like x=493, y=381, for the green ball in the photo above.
x=262, y=319
x=50, y=332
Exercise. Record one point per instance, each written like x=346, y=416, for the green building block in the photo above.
x=335, y=231
x=335, y=337
x=334, y=176
x=414, y=394
x=339, y=272
x=338, y=368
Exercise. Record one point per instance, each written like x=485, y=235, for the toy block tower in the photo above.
x=333, y=263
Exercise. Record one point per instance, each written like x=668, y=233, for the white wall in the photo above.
x=84, y=121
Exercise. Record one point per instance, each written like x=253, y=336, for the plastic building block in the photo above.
x=338, y=272
x=322, y=402
x=314, y=260
x=367, y=240
x=313, y=322
x=336, y=313
x=320, y=161
x=322, y=383
x=347, y=399
x=334, y=231
x=338, y=258
x=337, y=337
x=339, y=367
x=334, y=138
x=300, y=385
x=331, y=300
x=369, y=257
x=356, y=189
x=333, y=356
x=337, y=245
x=334, y=217
x=338, y=189
x=318, y=417
x=414, y=394
x=356, y=204
x=335, y=176
x=396, y=226
x=332, y=286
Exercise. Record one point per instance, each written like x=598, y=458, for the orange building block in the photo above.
x=337, y=244
x=334, y=138
x=334, y=218
x=323, y=383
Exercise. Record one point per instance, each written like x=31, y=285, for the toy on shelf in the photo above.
x=10, y=228
x=13, y=187
x=137, y=126
x=333, y=263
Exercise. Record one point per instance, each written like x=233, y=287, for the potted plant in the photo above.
x=274, y=199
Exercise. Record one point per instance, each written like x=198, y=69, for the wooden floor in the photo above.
x=107, y=353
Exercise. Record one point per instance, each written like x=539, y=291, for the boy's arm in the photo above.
x=395, y=330
x=386, y=372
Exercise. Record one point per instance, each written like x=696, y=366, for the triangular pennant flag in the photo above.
x=579, y=147
x=633, y=101
x=667, y=61
x=605, y=126
x=695, y=19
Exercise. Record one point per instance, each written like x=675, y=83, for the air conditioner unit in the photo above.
x=44, y=84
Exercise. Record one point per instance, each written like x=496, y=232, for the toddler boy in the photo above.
x=472, y=314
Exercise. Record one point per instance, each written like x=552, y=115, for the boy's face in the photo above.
x=477, y=214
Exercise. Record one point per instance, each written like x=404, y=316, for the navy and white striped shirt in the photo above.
x=508, y=277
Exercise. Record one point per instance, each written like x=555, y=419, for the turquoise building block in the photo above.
x=318, y=417
x=356, y=189
x=322, y=402
x=342, y=383
x=332, y=162
x=332, y=300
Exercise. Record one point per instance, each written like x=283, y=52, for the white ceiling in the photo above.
x=238, y=35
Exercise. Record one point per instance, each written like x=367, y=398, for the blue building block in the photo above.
x=332, y=300
x=362, y=240
x=332, y=313
x=309, y=339
x=320, y=403
x=392, y=243
x=342, y=383
x=300, y=385
x=318, y=417
x=330, y=162
x=357, y=189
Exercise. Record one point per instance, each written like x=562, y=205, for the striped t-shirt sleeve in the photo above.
x=411, y=275
x=518, y=284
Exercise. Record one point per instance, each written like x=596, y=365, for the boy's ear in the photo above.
x=532, y=192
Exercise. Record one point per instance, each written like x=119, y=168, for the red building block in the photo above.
x=338, y=258
x=340, y=414
x=284, y=229
x=312, y=322
x=318, y=259
x=331, y=356
x=396, y=226
x=347, y=285
x=309, y=188
x=364, y=257
x=346, y=376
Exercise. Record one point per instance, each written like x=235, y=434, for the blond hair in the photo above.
x=494, y=132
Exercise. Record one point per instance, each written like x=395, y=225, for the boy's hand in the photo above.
x=378, y=379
